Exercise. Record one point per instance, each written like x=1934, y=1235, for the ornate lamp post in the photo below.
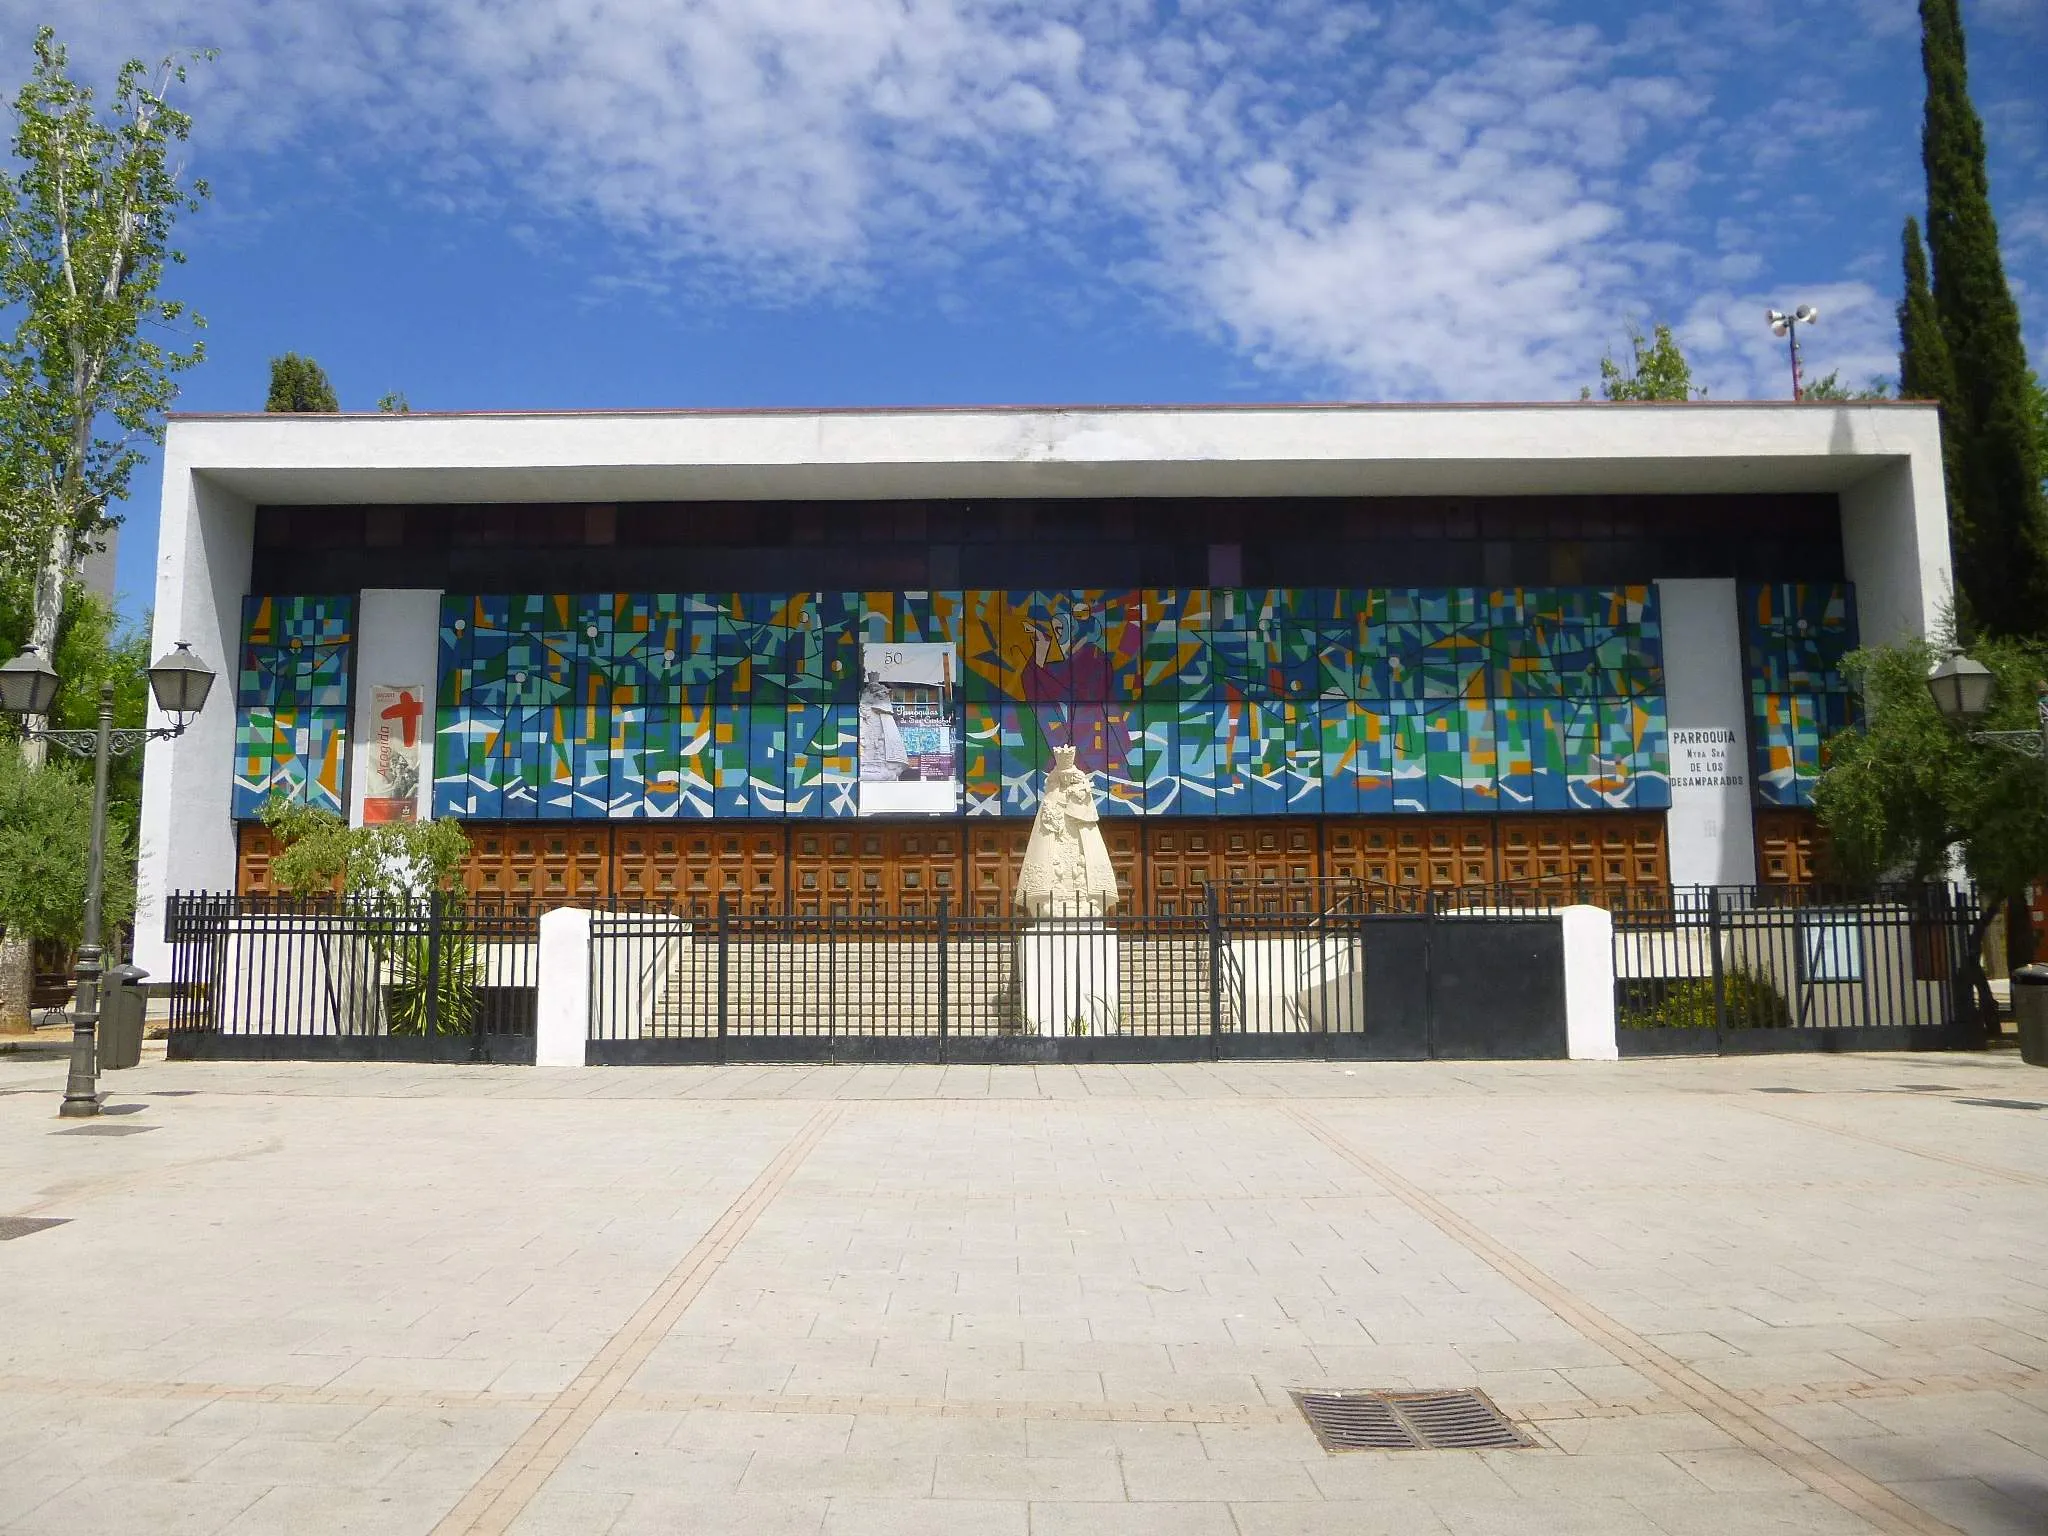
x=179, y=682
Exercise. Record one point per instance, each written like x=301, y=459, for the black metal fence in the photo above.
x=1745, y=970
x=1336, y=968
x=1265, y=979
x=352, y=978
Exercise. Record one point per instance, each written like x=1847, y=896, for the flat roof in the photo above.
x=862, y=453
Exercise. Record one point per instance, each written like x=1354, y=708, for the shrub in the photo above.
x=1749, y=1001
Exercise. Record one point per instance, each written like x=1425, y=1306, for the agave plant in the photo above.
x=454, y=987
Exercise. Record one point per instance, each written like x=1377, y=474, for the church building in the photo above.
x=820, y=660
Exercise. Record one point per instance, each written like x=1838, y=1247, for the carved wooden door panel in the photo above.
x=1365, y=849
x=838, y=867
x=1180, y=861
x=1787, y=842
x=995, y=853
x=693, y=864
x=1268, y=865
x=254, y=849
x=924, y=864
x=1125, y=840
x=554, y=863
x=1417, y=853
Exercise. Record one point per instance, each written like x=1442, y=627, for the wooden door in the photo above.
x=546, y=863
x=1600, y=855
x=838, y=867
x=1269, y=865
x=924, y=864
x=1180, y=861
x=1787, y=847
x=254, y=849
x=693, y=865
x=995, y=854
x=1417, y=853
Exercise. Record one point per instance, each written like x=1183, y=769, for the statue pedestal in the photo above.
x=1067, y=977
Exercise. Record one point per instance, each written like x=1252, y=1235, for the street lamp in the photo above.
x=179, y=683
x=1962, y=691
x=1788, y=325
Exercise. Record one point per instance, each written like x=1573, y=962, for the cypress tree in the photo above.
x=2002, y=534
x=1926, y=372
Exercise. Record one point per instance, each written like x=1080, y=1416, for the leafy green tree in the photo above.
x=299, y=385
x=1998, y=519
x=45, y=840
x=87, y=214
x=1898, y=793
x=394, y=403
x=1832, y=388
x=1657, y=370
x=320, y=852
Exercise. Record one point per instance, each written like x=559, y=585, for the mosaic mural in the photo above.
x=292, y=696
x=1794, y=638
x=1184, y=702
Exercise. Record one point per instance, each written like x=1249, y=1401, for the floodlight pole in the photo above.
x=1792, y=332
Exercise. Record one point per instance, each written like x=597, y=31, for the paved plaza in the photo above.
x=1767, y=1295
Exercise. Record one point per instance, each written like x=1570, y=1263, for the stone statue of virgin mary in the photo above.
x=1066, y=864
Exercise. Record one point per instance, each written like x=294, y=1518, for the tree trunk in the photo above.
x=17, y=977
x=52, y=576
x=1974, y=976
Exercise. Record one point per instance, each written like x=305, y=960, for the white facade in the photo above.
x=1883, y=460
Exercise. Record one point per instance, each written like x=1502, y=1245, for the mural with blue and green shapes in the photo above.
x=1183, y=702
x=292, y=697
x=1794, y=638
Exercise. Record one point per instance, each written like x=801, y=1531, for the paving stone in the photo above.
x=1085, y=1290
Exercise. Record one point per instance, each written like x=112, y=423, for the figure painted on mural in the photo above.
x=883, y=757
x=1066, y=871
x=1070, y=671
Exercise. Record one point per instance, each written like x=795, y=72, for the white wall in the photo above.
x=1895, y=544
x=1709, y=831
x=202, y=572
x=397, y=643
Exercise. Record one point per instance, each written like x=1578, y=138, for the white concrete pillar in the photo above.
x=1709, y=832
x=1895, y=546
x=398, y=645
x=1589, y=984
x=204, y=543
x=562, y=1012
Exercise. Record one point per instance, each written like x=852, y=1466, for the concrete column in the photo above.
x=1895, y=538
x=1589, y=984
x=204, y=545
x=398, y=644
x=1710, y=835
x=562, y=1013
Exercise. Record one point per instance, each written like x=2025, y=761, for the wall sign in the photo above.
x=391, y=787
x=909, y=741
x=1705, y=758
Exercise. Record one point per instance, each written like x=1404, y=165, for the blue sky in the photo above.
x=590, y=203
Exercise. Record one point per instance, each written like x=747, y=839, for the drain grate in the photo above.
x=1408, y=1421
x=21, y=1226
x=105, y=1130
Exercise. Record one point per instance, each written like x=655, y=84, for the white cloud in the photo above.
x=1399, y=200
